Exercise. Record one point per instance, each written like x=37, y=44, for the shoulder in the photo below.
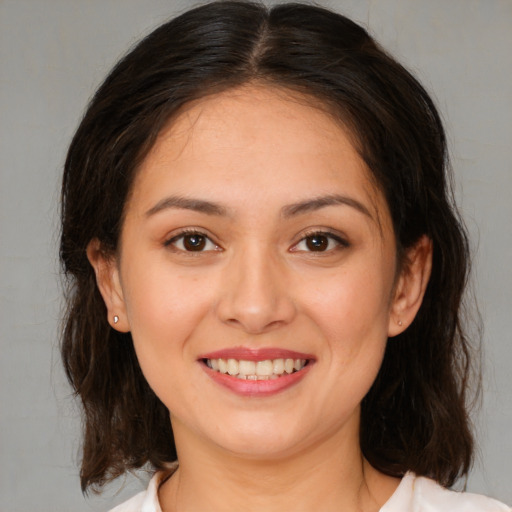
x=419, y=494
x=134, y=504
x=145, y=501
x=428, y=493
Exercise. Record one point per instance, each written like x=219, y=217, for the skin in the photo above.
x=253, y=152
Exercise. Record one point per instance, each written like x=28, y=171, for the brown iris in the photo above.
x=317, y=242
x=194, y=242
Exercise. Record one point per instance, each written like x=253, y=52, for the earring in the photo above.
x=116, y=319
x=400, y=323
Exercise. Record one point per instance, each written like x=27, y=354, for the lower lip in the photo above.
x=257, y=388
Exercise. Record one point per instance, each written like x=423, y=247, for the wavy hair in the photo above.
x=415, y=416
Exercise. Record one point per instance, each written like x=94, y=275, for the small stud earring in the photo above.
x=400, y=323
x=116, y=319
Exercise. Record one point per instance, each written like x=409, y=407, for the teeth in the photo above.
x=223, y=366
x=278, y=366
x=232, y=367
x=264, y=368
x=256, y=370
x=247, y=367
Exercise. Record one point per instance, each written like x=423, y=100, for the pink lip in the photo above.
x=252, y=354
x=256, y=388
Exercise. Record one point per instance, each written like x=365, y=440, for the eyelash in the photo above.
x=341, y=243
x=189, y=232
x=338, y=240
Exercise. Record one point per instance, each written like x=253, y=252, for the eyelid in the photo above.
x=180, y=234
x=340, y=240
x=337, y=237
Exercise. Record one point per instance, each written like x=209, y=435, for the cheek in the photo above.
x=351, y=309
x=158, y=295
x=163, y=310
x=352, y=313
x=352, y=303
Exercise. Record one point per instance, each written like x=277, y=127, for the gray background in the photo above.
x=53, y=53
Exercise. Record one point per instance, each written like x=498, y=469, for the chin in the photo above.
x=262, y=449
x=262, y=440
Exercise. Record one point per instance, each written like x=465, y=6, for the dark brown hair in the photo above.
x=415, y=416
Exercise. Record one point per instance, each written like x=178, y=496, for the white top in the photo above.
x=414, y=494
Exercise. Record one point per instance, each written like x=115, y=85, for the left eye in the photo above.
x=320, y=242
x=192, y=242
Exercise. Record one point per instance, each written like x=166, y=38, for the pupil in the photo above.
x=317, y=243
x=194, y=242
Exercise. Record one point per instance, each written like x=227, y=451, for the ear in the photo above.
x=411, y=285
x=107, y=277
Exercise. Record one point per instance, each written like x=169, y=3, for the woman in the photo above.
x=267, y=271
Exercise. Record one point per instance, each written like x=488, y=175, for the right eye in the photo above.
x=192, y=242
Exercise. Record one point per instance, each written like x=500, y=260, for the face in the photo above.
x=256, y=274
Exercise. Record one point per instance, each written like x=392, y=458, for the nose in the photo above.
x=255, y=293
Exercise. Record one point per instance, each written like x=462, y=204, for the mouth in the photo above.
x=256, y=373
x=267, y=369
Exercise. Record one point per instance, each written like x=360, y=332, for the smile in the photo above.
x=261, y=372
x=267, y=369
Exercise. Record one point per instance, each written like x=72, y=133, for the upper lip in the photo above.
x=253, y=354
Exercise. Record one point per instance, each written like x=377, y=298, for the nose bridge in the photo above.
x=255, y=296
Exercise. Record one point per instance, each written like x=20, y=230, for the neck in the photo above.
x=330, y=476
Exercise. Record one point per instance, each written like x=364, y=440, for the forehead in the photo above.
x=250, y=117
x=262, y=138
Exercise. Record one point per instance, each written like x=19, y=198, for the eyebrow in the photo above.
x=184, y=203
x=322, y=202
x=292, y=210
